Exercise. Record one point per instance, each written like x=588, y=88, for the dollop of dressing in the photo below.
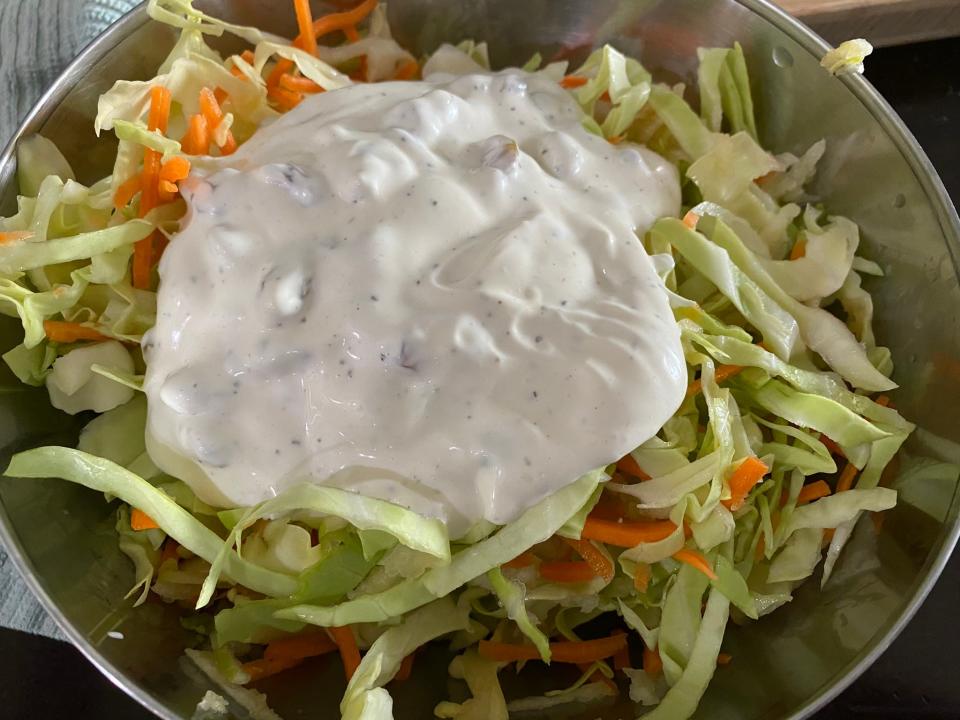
x=428, y=292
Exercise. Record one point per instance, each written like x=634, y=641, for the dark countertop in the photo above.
x=915, y=678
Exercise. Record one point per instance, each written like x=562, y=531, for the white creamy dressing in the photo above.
x=428, y=292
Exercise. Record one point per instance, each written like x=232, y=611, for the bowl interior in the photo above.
x=785, y=665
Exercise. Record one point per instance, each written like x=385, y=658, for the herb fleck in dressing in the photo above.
x=429, y=292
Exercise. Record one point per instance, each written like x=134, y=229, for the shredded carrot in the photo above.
x=350, y=32
x=652, y=663
x=567, y=651
x=799, y=248
x=691, y=219
x=747, y=474
x=296, y=84
x=197, y=139
x=878, y=519
x=298, y=647
x=406, y=668
x=832, y=446
x=723, y=372
x=157, y=121
x=167, y=191
x=220, y=95
x=59, y=331
x=343, y=20
x=139, y=520
x=567, y=571
x=175, y=169
x=284, y=99
x=695, y=560
x=828, y=534
x=813, y=491
x=622, y=659
x=14, y=236
x=628, y=464
x=282, y=67
x=159, y=116
x=724, y=658
x=845, y=481
x=169, y=551
x=126, y=191
x=263, y=668
x=362, y=72
x=213, y=113
x=626, y=534
x=349, y=651
x=524, y=559
x=882, y=401
x=616, y=139
x=408, y=71
x=641, y=577
x=601, y=566
x=308, y=37
x=573, y=81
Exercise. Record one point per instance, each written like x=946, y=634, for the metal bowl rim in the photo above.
x=861, y=89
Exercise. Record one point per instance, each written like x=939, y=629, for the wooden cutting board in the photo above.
x=882, y=22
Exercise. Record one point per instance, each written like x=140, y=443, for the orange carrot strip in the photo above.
x=641, y=577
x=342, y=20
x=305, y=22
x=626, y=534
x=169, y=551
x=695, y=560
x=524, y=559
x=723, y=372
x=14, y=236
x=59, y=331
x=573, y=81
x=832, y=446
x=622, y=659
x=175, y=169
x=350, y=32
x=349, y=651
x=221, y=95
x=799, y=248
x=192, y=143
x=598, y=562
x=408, y=71
x=747, y=474
x=567, y=651
x=263, y=668
x=300, y=646
x=406, y=669
x=299, y=84
x=691, y=219
x=652, y=664
x=284, y=99
x=616, y=139
x=567, y=571
x=628, y=464
x=882, y=400
x=724, y=658
x=126, y=191
x=139, y=520
x=845, y=481
x=813, y=491
x=159, y=116
x=211, y=110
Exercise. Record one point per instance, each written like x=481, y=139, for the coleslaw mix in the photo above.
x=779, y=448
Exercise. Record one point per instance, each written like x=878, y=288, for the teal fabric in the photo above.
x=38, y=38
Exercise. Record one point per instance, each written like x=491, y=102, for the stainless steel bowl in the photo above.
x=787, y=665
